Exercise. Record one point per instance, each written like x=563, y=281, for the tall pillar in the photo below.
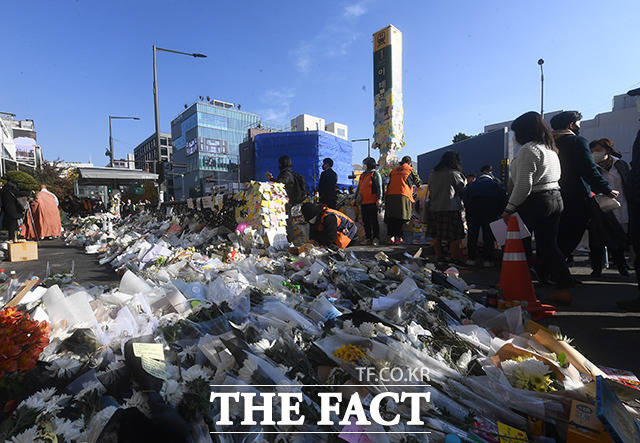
x=388, y=119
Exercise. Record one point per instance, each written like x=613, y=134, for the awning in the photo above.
x=113, y=176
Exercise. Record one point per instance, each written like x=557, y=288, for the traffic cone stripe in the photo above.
x=513, y=235
x=514, y=256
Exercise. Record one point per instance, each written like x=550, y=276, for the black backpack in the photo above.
x=298, y=190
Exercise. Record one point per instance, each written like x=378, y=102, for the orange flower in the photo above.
x=22, y=340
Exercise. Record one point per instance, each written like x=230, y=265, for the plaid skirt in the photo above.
x=445, y=225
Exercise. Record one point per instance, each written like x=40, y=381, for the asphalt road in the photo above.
x=601, y=331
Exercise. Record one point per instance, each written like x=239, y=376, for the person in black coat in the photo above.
x=12, y=210
x=580, y=176
x=327, y=186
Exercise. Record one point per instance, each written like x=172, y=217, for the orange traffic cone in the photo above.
x=515, y=280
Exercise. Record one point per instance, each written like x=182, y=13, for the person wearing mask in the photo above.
x=444, y=206
x=370, y=197
x=534, y=178
x=11, y=208
x=399, y=198
x=46, y=214
x=484, y=201
x=580, y=176
x=329, y=227
x=610, y=228
x=328, y=184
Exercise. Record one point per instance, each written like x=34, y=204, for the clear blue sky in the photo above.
x=69, y=64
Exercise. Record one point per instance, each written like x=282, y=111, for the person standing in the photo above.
x=46, y=214
x=534, y=179
x=399, y=198
x=328, y=185
x=294, y=186
x=610, y=228
x=370, y=197
x=12, y=209
x=484, y=201
x=444, y=206
x=329, y=227
x=488, y=170
x=580, y=176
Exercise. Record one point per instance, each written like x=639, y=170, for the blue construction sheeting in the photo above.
x=307, y=149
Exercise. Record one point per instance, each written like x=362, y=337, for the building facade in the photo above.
x=306, y=122
x=206, y=138
x=146, y=153
x=18, y=143
x=125, y=163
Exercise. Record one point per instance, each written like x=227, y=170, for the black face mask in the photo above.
x=576, y=130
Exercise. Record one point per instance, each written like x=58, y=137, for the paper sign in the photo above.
x=207, y=202
x=190, y=203
x=509, y=434
x=499, y=229
x=154, y=367
x=148, y=350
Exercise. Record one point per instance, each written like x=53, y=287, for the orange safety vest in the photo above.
x=342, y=239
x=365, y=185
x=398, y=181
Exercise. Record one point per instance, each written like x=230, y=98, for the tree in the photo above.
x=25, y=181
x=460, y=136
x=58, y=180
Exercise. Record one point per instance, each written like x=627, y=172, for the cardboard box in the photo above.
x=23, y=251
x=586, y=426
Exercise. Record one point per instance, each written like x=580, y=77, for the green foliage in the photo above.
x=460, y=136
x=25, y=181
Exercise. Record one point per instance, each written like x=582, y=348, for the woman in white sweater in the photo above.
x=535, y=195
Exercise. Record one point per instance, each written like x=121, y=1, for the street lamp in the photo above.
x=368, y=140
x=155, y=94
x=541, y=62
x=112, y=117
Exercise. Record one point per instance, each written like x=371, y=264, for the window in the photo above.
x=163, y=151
x=163, y=141
x=340, y=132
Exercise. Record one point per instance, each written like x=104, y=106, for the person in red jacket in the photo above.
x=329, y=227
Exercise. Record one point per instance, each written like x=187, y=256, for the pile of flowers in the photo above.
x=22, y=340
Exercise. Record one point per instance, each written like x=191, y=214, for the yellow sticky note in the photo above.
x=154, y=367
x=149, y=350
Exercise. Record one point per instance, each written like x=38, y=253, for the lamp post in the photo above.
x=155, y=96
x=541, y=62
x=368, y=140
x=113, y=117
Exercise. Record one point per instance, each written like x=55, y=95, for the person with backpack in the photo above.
x=294, y=185
x=370, y=197
x=329, y=227
x=328, y=184
x=399, y=198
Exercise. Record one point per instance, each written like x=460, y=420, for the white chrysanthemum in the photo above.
x=367, y=330
x=138, y=401
x=528, y=367
x=197, y=371
x=386, y=330
x=246, y=371
x=115, y=365
x=28, y=436
x=261, y=345
x=45, y=394
x=172, y=392
x=271, y=334
x=33, y=402
x=189, y=351
x=90, y=387
x=348, y=326
x=430, y=305
x=463, y=361
x=64, y=367
x=70, y=430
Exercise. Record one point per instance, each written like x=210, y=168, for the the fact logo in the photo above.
x=335, y=408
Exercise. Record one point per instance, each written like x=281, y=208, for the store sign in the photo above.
x=207, y=145
x=25, y=142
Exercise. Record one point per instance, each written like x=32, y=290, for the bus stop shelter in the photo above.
x=113, y=177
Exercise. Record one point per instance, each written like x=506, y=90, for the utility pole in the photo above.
x=541, y=62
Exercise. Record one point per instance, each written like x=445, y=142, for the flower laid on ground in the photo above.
x=28, y=436
x=528, y=373
x=69, y=430
x=350, y=352
x=22, y=340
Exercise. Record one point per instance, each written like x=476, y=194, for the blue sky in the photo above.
x=466, y=64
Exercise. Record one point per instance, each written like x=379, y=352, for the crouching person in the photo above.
x=329, y=227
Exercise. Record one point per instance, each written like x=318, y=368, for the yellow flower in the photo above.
x=349, y=352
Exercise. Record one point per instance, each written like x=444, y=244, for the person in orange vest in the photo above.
x=329, y=227
x=370, y=197
x=399, y=199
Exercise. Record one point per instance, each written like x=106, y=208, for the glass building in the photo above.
x=206, y=139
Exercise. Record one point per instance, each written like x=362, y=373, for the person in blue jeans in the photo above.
x=484, y=201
